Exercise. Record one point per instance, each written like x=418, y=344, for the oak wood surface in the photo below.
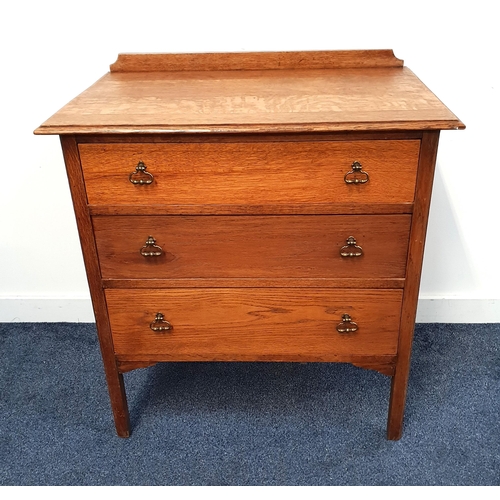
x=257, y=324
x=227, y=61
x=114, y=378
x=254, y=101
x=382, y=283
x=358, y=135
x=252, y=246
x=250, y=173
x=416, y=246
x=249, y=153
x=381, y=363
x=339, y=208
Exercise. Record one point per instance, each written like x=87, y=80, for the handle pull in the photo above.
x=351, y=249
x=160, y=324
x=347, y=325
x=356, y=175
x=151, y=249
x=141, y=175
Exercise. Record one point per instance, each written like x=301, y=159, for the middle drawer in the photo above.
x=307, y=246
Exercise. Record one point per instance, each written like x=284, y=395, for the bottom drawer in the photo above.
x=266, y=324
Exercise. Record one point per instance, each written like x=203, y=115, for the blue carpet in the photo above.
x=247, y=423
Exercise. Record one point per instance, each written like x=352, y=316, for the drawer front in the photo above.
x=252, y=246
x=253, y=324
x=254, y=174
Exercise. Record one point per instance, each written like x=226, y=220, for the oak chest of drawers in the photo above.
x=253, y=207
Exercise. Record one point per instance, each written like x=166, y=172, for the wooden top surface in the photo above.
x=225, y=93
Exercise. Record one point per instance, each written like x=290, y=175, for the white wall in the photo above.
x=52, y=50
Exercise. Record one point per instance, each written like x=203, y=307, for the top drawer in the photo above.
x=249, y=173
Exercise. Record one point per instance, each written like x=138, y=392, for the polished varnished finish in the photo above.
x=271, y=173
x=255, y=61
x=260, y=324
x=257, y=206
x=252, y=246
x=357, y=96
x=114, y=377
x=413, y=271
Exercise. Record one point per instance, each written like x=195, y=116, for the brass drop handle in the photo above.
x=351, y=249
x=141, y=175
x=347, y=325
x=160, y=324
x=151, y=249
x=356, y=175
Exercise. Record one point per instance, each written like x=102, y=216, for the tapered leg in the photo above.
x=116, y=389
x=114, y=378
x=427, y=162
x=397, y=405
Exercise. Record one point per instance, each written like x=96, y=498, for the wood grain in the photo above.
x=254, y=101
x=414, y=268
x=249, y=153
x=333, y=208
x=244, y=137
x=256, y=61
x=254, y=324
x=252, y=246
x=114, y=378
x=138, y=284
x=250, y=173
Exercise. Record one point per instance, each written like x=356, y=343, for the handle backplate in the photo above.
x=347, y=325
x=356, y=175
x=351, y=249
x=141, y=175
x=151, y=249
x=160, y=324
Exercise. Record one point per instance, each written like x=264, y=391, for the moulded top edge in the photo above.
x=251, y=128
